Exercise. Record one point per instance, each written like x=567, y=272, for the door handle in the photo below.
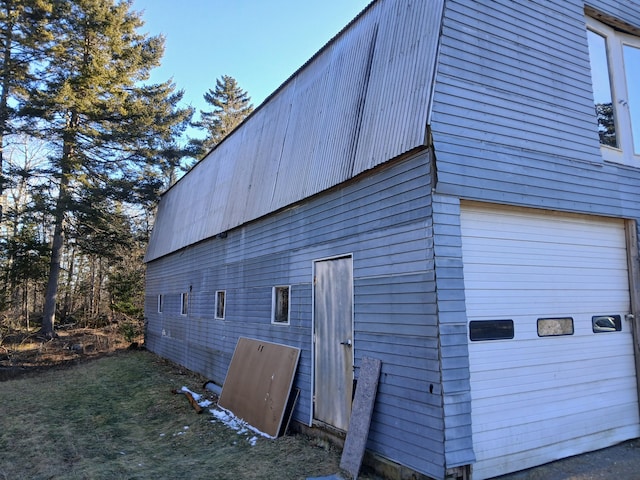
x=346, y=342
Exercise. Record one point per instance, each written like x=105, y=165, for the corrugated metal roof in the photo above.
x=360, y=101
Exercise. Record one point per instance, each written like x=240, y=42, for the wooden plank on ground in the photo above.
x=362, y=410
x=258, y=383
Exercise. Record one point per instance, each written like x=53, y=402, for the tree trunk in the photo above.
x=68, y=305
x=49, y=315
x=50, y=298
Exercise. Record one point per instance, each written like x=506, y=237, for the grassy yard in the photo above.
x=116, y=418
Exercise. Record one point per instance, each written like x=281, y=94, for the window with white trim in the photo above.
x=280, y=305
x=160, y=303
x=615, y=75
x=184, y=309
x=220, y=304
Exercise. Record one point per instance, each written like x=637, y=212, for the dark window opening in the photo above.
x=480, y=330
x=281, y=304
x=606, y=323
x=185, y=304
x=220, y=304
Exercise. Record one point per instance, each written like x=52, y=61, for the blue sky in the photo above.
x=258, y=42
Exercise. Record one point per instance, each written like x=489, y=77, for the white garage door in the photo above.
x=551, y=353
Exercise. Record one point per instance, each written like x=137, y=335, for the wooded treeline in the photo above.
x=87, y=143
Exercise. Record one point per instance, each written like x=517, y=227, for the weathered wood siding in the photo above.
x=513, y=122
x=384, y=220
x=359, y=102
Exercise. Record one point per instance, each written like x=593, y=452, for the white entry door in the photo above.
x=550, y=351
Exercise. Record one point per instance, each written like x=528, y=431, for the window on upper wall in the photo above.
x=280, y=305
x=160, y=303
x=220, y=303
x=615, y=75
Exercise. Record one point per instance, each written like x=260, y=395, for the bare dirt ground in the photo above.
x=24, y=354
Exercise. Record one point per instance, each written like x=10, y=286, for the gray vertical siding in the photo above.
x=384, y=220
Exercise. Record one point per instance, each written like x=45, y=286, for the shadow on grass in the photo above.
x=116, y=417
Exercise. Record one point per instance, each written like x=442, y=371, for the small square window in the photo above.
x=280, y=305
x=606, y=323
x=160, y=303
x=554, y=327
x=184, y=309
x=220, y=304
x=481, y=330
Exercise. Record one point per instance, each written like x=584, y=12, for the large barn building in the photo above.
x=449, y=186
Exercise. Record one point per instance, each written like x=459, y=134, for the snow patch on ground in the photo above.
x=243, y=428
x=227, y=417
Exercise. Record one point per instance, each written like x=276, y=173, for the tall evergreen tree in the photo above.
x=105, y=125
x=231, y=105
x=24, y=38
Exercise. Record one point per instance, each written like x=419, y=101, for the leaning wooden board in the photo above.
x=258, y=383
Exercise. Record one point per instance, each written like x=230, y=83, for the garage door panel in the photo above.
x=502, y=296
x=550, y=351
x=547, y=453
x=529, y=436
x=536, y=398
x=484, y=404
x=543, y=385
x=565, y=408
x=539, y=254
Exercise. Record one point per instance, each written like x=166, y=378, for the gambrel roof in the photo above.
x=360, y=101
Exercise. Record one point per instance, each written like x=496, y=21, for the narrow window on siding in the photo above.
x=606, y=323
x=631, y=54
x=220, y=303
x=605, y=111
x=184, y=309
x=554, y=327
x=615, y=77
x=280, y=305
x=160, y=303
x=482, y=330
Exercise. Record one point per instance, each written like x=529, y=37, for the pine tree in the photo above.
x=231, y=105
x=24, y=38
x=106, y=126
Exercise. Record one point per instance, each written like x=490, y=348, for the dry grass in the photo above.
x=115, y=418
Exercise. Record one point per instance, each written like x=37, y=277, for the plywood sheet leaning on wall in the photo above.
x=258, y=383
